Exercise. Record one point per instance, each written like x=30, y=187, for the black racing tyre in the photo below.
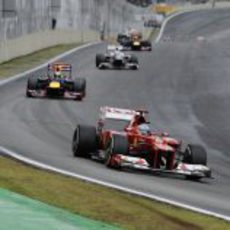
x=31, y=85
x=99, y=59
x=84, y=141
x=146, y=44
x=80, y=86
x=150, y=47
x=133, y=59
x=195, y=154
x=120, y=37
x=117, y=144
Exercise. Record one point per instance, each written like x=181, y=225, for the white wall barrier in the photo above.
x=27, y=26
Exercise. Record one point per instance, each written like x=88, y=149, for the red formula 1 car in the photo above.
x=135, y=42
x=58, y=83
x=136, y=146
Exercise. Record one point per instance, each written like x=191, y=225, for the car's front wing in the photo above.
x=128, y=66
x=43, y=94
x=189, y=170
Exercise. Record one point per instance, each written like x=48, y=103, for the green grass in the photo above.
x=100, y=203
x=20, y=64
x=153, y=34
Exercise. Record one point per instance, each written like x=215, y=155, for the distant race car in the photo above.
x=152, y=23
x=58, y=83
x=134, y=41
x=123, y=39
x=114, y=58
x=135, y=146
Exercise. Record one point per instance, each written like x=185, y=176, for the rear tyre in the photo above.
x=195, y=154
x=99, y=59
x=117, y=144
x=80, y=86
x=134, y=59
x=147, y=44
x=84, y=141
x=31, y=85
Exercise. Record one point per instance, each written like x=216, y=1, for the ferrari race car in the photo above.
x=134, y=41
x=58, y=83
x=135, y=146
x=114, y=58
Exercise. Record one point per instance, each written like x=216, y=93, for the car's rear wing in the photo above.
x=117, y=113
x=59, y=67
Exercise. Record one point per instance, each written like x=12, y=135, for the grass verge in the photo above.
x=99, y=203
x=96, y=202
x=23, y=63
x=153, y=34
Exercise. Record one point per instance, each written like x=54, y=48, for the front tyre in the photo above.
x=134, y=59
x=116, y=145
x=31, y=85
x=195, y=154
x=80, y=86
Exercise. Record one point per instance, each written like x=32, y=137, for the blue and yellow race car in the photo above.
x=134, y=41
x=58, y=83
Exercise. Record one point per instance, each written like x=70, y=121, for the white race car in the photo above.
x=114, y=58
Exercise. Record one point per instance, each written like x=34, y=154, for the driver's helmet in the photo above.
x=57, y=74
x=144, y=129
x=116, y=50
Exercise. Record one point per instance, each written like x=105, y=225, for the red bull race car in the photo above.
x=134, y=41
x=135, y=146
x=57, y=83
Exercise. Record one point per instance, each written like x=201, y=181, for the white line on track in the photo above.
x=37, y=164
x=169, y=18
x=164, y=25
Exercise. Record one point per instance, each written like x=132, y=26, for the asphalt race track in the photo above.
x=184, y=83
